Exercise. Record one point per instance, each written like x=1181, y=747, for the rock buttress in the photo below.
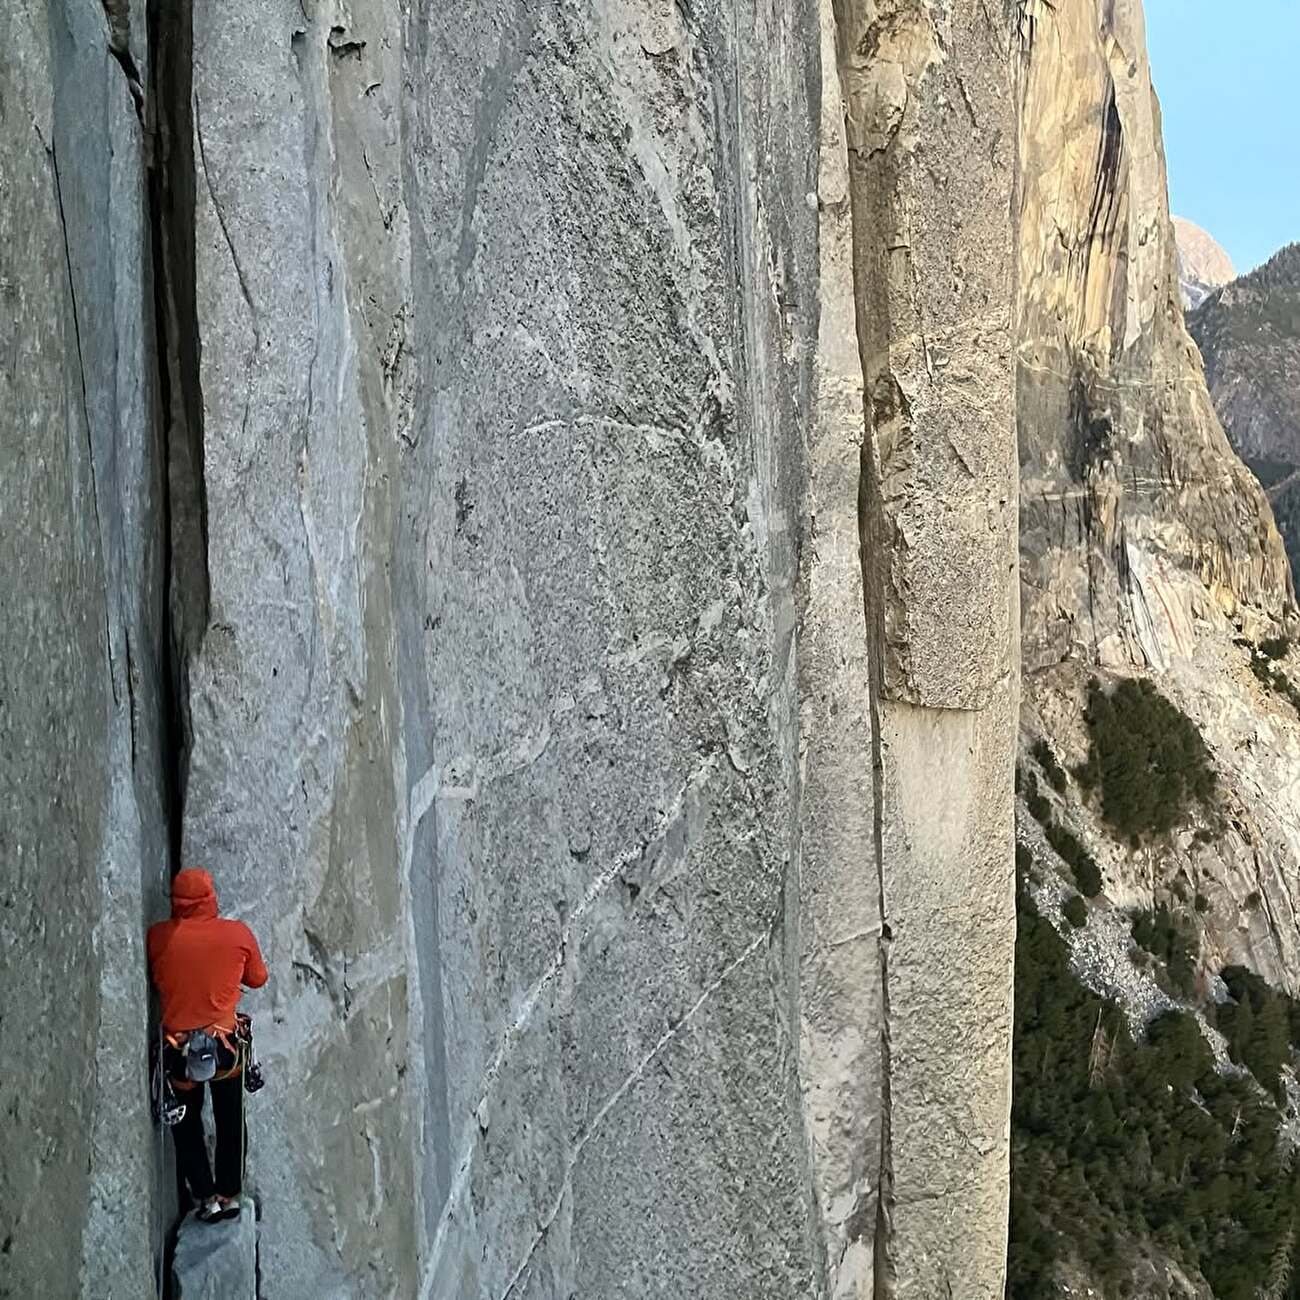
x=930, y=136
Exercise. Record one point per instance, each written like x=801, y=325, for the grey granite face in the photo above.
x=599, y=536
x=448, y=511
x=82, y=833
x=505, y=376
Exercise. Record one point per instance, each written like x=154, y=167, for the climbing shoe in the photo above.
x=210, y=1211
x=216, y=1208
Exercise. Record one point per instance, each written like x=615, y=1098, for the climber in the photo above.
x=198, y=961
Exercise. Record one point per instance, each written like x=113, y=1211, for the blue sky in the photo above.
x=1228, y=77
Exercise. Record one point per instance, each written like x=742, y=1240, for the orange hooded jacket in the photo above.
x=198, y=960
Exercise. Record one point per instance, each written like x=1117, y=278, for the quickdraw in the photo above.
x=168, y=1109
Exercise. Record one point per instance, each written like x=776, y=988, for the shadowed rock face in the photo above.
x=474, y=365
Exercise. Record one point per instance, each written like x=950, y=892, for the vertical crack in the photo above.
x=878, y=234
x=883, y=1266
x=258, y=1293
x=171, y=213
x=118, y=14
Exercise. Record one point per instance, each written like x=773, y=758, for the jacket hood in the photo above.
x=193, y=895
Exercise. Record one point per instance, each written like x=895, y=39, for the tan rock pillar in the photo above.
x=931, y=138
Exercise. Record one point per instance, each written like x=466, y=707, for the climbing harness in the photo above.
x=205, y=1055
x=210, y=1054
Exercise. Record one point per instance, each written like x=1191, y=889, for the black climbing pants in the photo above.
x=191, y=1145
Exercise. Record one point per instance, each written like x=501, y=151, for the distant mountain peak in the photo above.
x=1203, y=265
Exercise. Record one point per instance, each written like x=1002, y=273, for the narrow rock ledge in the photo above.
x=216, y=1261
